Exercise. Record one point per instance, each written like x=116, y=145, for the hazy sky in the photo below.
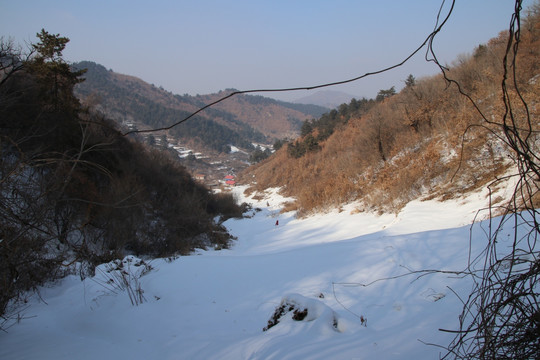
x=203, y=46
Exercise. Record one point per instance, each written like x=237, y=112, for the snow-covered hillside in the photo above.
x=344, y=267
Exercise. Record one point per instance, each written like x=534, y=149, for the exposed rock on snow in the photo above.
x=300, y=308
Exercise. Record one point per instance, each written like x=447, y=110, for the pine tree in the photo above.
x=410, y=81
x=384, y=94
x=55, y=76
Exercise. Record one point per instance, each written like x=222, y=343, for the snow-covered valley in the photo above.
x=350, y=270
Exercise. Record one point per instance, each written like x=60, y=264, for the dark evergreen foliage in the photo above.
x=73, y=189
x=410, y=81
x=279, y=143
x=259, y=154
x=315, y=131
x=384, y=94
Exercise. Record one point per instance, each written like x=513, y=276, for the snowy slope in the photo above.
x=215, y=304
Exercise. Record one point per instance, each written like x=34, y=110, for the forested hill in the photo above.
x=428, y=140
x=276, y=119
x=240, y=120
x=73, y=189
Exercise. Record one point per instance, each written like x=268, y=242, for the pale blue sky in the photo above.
x=203, y=46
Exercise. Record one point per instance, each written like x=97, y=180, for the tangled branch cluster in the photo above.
x=501, y=317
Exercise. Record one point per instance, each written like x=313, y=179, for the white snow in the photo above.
x=235, y=149
x=341, y=265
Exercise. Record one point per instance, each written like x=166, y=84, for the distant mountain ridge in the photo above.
x=240, y=120
x=326, y=98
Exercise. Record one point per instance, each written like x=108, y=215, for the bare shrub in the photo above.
x=501, y=316
x=224, y=204
x=124, y=276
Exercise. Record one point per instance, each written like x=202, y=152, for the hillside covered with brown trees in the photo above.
x=440, y=136
x=240, y=121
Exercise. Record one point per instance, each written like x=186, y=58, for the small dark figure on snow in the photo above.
x=277, y=222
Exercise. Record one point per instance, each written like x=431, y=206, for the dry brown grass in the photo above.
x=427, y=141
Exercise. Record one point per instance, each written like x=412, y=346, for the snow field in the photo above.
x=215, y=304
